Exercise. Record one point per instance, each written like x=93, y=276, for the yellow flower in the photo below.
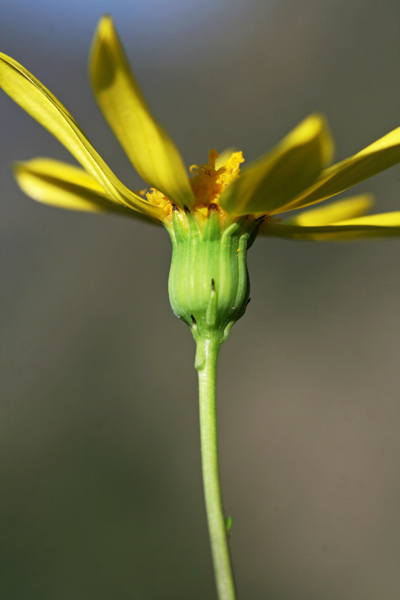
x=294, y=175
x=212, y=216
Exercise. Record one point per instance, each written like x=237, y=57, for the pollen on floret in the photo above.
x=157, y=198
x=208, y=183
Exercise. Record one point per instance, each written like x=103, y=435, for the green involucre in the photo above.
x=208, y=281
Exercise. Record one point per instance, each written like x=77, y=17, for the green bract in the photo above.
x=208, y=281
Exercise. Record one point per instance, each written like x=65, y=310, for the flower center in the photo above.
x=208, y=181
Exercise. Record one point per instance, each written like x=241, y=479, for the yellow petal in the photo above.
x=373, y=159
x=371, y=226
x=348, y=208
x=390, y=219
x=40, y=103
x=149, y=147
x=65, y=186
x=279, y=176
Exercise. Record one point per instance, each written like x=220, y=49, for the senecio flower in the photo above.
x=218, y=199
x=213, y=213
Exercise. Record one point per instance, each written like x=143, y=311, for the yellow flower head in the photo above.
x=294, y=175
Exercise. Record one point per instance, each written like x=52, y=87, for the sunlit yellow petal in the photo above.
x=147, y=144
x=63, y=172
x=373, y=159
x=389, y=219
x=279, y=176
x=348, y=208
x=65, y=186
x=371, y=226
x=33, y=97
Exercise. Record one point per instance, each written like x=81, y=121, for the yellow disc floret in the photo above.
x=157, y=198
x=208, y=182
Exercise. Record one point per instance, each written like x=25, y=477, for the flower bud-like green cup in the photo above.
x=208, y=281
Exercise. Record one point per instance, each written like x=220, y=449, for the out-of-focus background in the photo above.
x=101, y=488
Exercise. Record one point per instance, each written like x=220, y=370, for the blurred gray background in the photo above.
x=100, y=469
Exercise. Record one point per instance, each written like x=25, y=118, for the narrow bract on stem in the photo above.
x=212, y=212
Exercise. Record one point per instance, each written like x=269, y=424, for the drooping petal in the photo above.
x=40, y=103
x=371, y=226
x=349, y=208
x=65, y=186
x=147, y=144
x=373, y=159
x=279, y=176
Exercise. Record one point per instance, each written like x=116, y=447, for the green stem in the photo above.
x=206, y=364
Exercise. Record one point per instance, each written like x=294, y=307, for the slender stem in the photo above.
x=208, y=350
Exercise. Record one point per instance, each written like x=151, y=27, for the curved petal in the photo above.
x=147, y=144
x=40, y=103
x=373, y=159
x=65, y=186
x=349, y=208
x=276, y=178
x=371, y=226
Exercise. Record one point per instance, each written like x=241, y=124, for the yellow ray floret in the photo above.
x=147, y=144
x=378, y=156
x=277, y=177
x=349, y=229
x=348, y=208
x=68, y=187
x=40, y=103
